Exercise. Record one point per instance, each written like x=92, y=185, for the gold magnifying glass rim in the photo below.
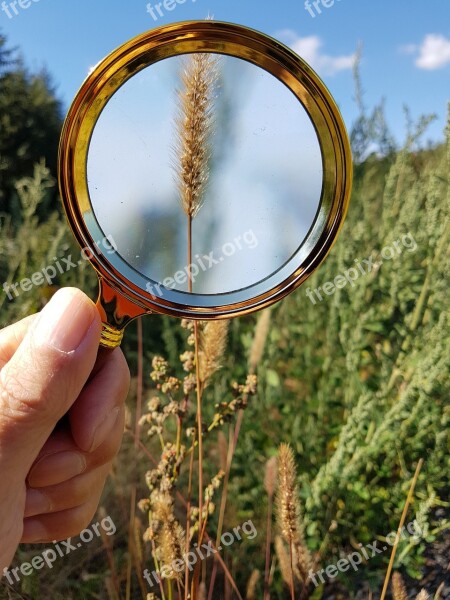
x=226, y=39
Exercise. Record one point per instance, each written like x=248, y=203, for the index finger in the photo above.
x=11, y=337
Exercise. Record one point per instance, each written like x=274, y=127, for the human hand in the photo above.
x=52, y=471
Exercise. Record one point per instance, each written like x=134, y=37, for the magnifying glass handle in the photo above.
x=116, y=312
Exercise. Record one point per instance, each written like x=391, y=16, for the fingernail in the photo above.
x=37, y=503
x=65, y=320
x=56, y=468
x=100, y=433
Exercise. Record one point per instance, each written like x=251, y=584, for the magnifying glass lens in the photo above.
x=207, y=169
x=226, y=134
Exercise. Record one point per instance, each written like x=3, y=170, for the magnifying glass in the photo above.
x=205, y=170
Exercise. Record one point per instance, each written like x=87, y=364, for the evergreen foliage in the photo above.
x=30, y=123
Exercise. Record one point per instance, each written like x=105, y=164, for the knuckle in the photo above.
x=19, y=401
x=23, y=390
x=18, y=397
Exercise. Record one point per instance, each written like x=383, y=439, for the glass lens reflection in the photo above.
x=262, y=195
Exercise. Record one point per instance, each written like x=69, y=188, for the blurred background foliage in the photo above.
x=356, y=383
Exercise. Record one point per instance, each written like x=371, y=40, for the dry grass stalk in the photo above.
x=194, y=128
x=110, y=589
x=201, y=594
x=193, y=152
x=252, y=584
x=423, y=595
x=259, y=341
x=213, y=340
x=289, y=514
x=398, y=587
x=210, y=345
x=288, y=507
x=222, y=445
x=270, y=482
x=138, y=540
x=270, y=477
x=284, y=561
x=400, y=527
x=171, y=542
x=171, y=546
x=302, y=558
x=114, y=592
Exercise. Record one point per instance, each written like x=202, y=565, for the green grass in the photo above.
x=357, y=383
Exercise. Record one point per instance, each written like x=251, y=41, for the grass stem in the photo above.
x=400, y=528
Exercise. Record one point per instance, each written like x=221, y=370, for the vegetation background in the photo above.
x=358, y=384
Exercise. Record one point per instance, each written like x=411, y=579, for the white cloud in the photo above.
x=434, y=52
x=310, y=49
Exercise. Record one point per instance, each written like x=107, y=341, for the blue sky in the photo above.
x=406, y=43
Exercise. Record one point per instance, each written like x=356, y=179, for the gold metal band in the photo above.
x=111, y=337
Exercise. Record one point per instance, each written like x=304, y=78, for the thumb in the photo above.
x=45, y=375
